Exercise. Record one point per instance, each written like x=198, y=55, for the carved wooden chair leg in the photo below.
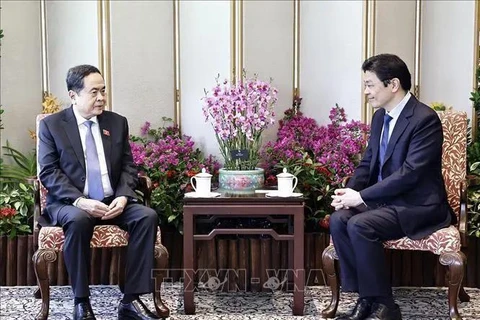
x=41, y=259
x=330, y=269
x=455, y=261
x=161, y=265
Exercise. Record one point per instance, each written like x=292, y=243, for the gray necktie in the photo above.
x=94, y=176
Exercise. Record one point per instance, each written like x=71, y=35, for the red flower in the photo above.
x=325, y=222
x=271, y=180
x=7, y=212
x=191, y=173
x=170, y=174
x=323, y=171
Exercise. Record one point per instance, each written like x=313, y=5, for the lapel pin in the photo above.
x=106, y=133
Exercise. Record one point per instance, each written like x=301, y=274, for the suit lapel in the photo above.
x=377, y=126
x=106, y=140
x=400, y=126
x=71, y=128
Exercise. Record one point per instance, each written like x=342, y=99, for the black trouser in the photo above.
x=141, y=224
x=357, y=237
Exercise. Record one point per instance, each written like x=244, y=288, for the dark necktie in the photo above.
x=94, y=176
x=383, y=143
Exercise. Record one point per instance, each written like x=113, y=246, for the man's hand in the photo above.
x=115, y=208
x=95, y=208
x=346, y=198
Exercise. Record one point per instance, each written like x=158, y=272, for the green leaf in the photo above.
x=474, y=166
x=22, y=186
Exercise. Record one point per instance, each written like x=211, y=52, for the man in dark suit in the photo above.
x=396, y=191
x=87, y=167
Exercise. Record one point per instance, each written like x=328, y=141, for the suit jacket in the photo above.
x=62, y=161
x=412, y=181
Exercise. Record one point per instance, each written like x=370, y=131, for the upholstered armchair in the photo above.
x=445, y=243
x=50, y=241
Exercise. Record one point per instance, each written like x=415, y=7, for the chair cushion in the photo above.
x=443, y=240
x=104, y=236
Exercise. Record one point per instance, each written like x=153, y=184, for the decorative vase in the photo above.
x=241, y=181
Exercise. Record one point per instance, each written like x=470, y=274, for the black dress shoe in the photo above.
x=83, y=311
x=135, y=310
x=382, y=312
x=361, y=311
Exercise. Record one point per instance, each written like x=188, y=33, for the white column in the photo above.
x=204, y=54
x=268, y=49
x=331, y=58
x=142, y=61
x=72, y=31
x=395, y=30
x=21, y=72
x=447, y=64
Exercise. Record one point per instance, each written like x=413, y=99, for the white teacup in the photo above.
x=203, y=183
x=287, y=182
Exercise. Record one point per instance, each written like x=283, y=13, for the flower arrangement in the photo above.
x=320, y=156
x=50, y=103
x=170, y=160
x=16, y=214
x=440, y=106
x=239, y=112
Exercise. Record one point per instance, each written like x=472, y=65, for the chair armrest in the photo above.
x=145, y=186
x=463, y=214
x=37, y=208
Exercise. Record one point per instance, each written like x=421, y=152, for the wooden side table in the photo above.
x=252, y=206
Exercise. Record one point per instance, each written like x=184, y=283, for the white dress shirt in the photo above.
x=395, y=113
x=107, y=187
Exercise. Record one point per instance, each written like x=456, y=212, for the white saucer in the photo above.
x=276, y=194
x=196, y=195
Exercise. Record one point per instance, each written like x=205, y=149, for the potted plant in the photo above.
x=239, y=112
x=16, y=214
x=320, y=156
x=169, y=159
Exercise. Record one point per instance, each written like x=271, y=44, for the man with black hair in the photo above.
x=396, y=191
x=87, y=167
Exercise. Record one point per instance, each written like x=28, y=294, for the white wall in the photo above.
x=72, y=28
x=331, y=48
x=331, y=58
x=447, y=66
x=268, y=49
x=391, y=36
x=142, y=61
x=204, y=54
x=21, y=79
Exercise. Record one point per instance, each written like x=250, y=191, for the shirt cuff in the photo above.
x=75, y=203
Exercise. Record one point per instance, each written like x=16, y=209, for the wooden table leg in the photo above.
x=291, y=246
x=188, y=257
x=298, y=265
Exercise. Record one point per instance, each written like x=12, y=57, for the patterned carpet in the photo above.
x=416, y=303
